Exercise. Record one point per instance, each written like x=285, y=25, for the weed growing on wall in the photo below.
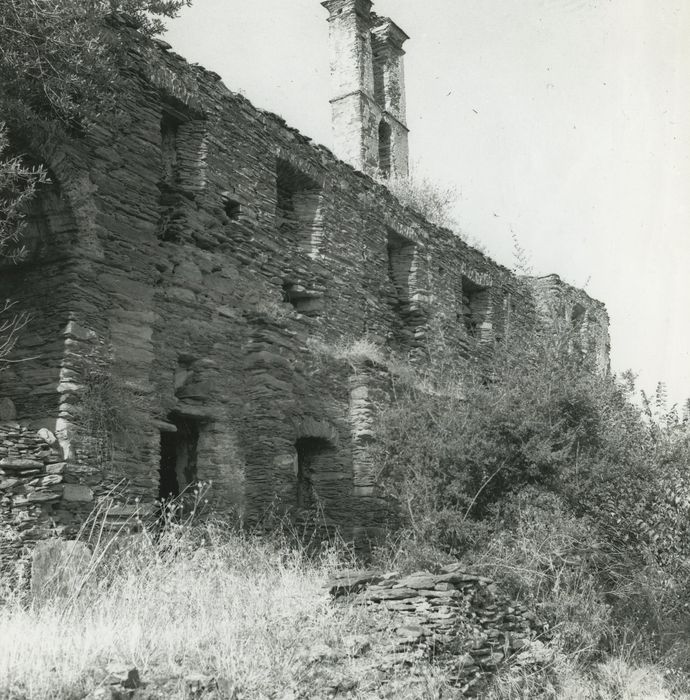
x=107, y=414
x=434, y=202
x=352, y=350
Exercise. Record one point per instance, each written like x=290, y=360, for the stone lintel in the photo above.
x=164, y=426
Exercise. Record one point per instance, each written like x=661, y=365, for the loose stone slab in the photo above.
x=20, y=464
x=57, y=567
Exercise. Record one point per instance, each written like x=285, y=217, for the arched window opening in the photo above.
x=384, y=149
x=300, y=208
x=578, y=322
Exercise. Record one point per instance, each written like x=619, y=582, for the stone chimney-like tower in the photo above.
x=368, y=82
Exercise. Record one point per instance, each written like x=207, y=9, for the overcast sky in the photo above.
x=564, y=122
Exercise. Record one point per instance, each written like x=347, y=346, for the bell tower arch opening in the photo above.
x=384, y=149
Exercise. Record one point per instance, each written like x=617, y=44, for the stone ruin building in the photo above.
x=201, y=263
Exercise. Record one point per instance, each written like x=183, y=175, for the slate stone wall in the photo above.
x=32, y=485
x=196, y=251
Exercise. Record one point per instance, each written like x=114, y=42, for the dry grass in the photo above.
x=353, y=351
x=251, y=613
x=614, y=679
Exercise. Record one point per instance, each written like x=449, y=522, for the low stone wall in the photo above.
x=31, y=485
x=43, y=494
x=457, y=618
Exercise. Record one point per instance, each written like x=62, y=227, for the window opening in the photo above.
x=475, y=310
x=183, y=173
x=232, y=209
x=313, y=457
x=577, y=317
x=302, y=299
x=170, y=126
x=577, y=323
x=401, y=260
x=299, y=212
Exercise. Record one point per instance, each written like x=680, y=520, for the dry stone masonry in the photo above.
x=457, y=619
x=193, y=274
x=32, y=471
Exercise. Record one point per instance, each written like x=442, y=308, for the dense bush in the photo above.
x=461, y=436
x=59, y=60
x=545, y=474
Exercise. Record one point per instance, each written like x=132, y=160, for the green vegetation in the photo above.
x=17, y=185
x=537, y=471
x=59, y=61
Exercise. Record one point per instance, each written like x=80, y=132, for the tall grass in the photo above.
x=615, y=679
x=251, y=613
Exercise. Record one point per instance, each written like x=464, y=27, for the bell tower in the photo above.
x=368, y=88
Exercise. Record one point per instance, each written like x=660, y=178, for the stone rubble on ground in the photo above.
x=457, y=619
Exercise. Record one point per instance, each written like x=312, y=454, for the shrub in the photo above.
x=545, y=475
x=434, y=202
x=459, y=437
x=545, y=556
x=18, y=183
x=452, y=442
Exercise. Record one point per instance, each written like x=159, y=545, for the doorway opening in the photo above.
x=313, y=457
x=178, y=451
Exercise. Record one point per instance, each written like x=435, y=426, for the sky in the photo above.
x=562, y=123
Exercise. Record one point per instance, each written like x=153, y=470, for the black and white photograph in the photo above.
x=344, y=350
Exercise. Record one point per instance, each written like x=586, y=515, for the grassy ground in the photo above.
x=252, y=614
